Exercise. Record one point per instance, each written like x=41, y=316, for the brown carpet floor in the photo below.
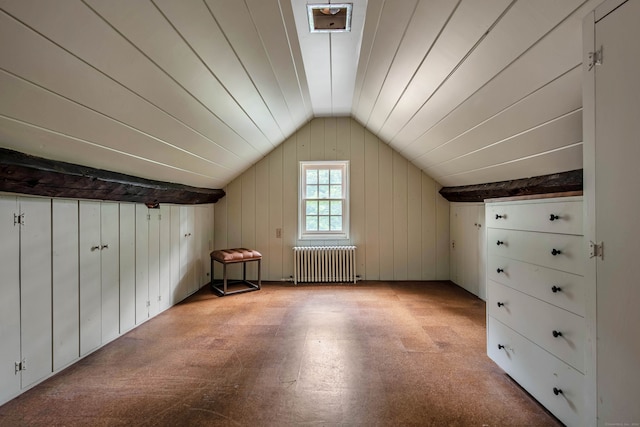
x=373, y=354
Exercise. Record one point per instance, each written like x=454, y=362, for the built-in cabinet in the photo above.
x=99, y=274
x=26, y=302
x=78, y=274
x=467, y=248
x=536, y=327
x=611, y=100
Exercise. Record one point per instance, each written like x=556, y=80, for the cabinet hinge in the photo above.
x=148, y=217
x=596, y=250
x=159, y=297
x=148, y=303
x=21, y=366
x=595, y=58
x=18, y=219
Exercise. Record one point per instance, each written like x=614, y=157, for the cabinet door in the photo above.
x=154, y=261
x=127, y=266
x=35, y=289
x=110, y=271
x=10, y=301
x=177, y=291
x=456, y=220
x=164, y=296
x=66, y=296
x=481, y=246
x=142, y=264
x=202, y=239
x=187, y=249
x=90, y=277
x=617, y=150
x=470, y=255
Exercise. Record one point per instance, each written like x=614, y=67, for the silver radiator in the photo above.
x=324, y=264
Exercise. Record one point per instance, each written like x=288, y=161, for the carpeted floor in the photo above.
x=371, y=354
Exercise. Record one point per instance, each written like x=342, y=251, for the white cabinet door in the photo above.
x=35, y=289
x=202, y=236
x=616, y=153
x=142, y=264
x=457, y=246
x=467, y=247
x=127, y=266
x=110, y=270
x=165, y=258
x=90, y=277
x=154, y=261
x=471, y=257
x=187, y=250
x=10, y=301
x=177, y=291
x=66, y=296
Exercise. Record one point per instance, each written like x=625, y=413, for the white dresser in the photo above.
x=536, y=299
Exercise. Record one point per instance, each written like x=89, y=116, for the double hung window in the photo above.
x=324, y=200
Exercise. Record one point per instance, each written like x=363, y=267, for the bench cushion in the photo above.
x=235, y=255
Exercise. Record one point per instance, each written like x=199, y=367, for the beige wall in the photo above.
x=399, y=222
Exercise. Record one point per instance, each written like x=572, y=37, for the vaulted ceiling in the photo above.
x=196, y=91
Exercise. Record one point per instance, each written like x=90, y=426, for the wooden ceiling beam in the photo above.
x=26, y=174
x=554, y=183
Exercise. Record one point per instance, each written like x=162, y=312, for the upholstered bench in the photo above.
x=232, y=256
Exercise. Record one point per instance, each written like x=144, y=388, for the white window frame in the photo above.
x=303, y=234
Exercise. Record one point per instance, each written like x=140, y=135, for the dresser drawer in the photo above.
x=548, y=216
x=558, y=331
x=565, y=290
x=538, y=248
x=538, y=371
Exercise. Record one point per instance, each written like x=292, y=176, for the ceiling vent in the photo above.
x=329, y=18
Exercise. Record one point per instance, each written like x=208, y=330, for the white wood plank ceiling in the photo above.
x=196, y=91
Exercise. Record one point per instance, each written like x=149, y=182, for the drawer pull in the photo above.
x=500, y=304
x=557, y=334
x=556, y=289
x=500, y=242
x=557, y=391
x=500, y=216
x=500, y=346
x=499, y=270
x=553, y=217
x=555, y=252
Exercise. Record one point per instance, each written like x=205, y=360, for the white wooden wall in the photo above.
x=399, y=222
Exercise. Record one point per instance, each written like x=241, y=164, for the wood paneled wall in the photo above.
x=399, y=221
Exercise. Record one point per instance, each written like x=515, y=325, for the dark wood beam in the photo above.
x=25, y=174
x=554, y=183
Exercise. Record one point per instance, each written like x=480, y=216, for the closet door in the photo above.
x=127, y=266
x=187, y=250
x=154, y=262
x=90, y=278
x=142, y=264
x=177, y=292
x=66, y=287
x=110, y=271
x=165, y=258
x=617, y=150
x=457, y=245
x=35, y=289
x=10, y=301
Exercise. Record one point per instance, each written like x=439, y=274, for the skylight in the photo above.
x=329, y=18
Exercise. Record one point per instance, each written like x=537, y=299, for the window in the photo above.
x=324, y=200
